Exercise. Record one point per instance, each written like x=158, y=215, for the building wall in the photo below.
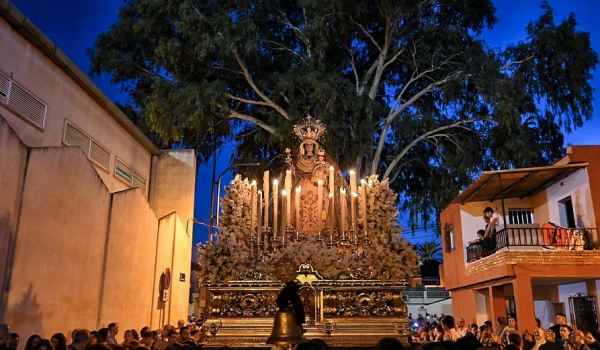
x=591, y=155
x=130, y=255
x=59, y=251
x=577, y=186
x=65, y=100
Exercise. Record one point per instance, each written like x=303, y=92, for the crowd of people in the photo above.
x=182, y=337
x=432, y=332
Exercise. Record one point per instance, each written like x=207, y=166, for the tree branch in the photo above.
x=257, y=90
x=233, y=114
x=364, y=31
x=425, y=136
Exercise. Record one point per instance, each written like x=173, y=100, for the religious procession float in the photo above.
x=336, y=237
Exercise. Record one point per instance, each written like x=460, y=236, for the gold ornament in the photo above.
x=309, y=128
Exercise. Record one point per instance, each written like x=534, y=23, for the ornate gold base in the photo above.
x=343, y=313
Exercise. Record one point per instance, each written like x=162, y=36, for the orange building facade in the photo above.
x=544, y=258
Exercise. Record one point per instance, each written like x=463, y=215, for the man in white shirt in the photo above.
x=448, y=324
x=461, y=327
x=495, y=220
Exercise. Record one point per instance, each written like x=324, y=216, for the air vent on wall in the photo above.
x=123, y=172
x=27, y=105
x=139, y=181
x=4, y=88
x=92, y=149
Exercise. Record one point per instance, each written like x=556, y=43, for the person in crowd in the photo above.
x=461, y=327
x=514, y=339
x=172, y=337
x=59, y=341
x=44, y=344
x=135, y=335
x=500, y=325
x=32, y=341
x=185, y=335
x=439, y=333
x=475, y=330
x=539, y=336
x=147, y=338
x=511, y=328
x=180, y=324
x=113, y=330
x=102, y=335
x=468, y=342
x=565, y=333
x=591, y=341
x=568, y=344
x=449, y=325
x=94, y=338
x=579, y=340
x=388, y=344
x=164, y=335
x=560, y=320
x=81, y=339
x=13, y=341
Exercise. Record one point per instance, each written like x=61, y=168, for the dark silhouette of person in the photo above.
x=289, y=296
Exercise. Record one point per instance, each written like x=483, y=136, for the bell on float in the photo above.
x=285, y=330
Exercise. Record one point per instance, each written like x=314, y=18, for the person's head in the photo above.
x=59, y=341
x=565, y=331
x=127, y=336
x=460, y=323
x=113, y=329
x=165, y=330
x=468, y=342
x=589, y=337
x=488, y=324
x=13, y=340
x=147, y=338
x=81, y=339
x=388, y=344
x=448, y=322
x=539, y=334
x=309, y=148
x=172, y=337
x=44, y=344
x=180, y=324
x=102, y=335
x=474, y=329
x=185, y=333
x=538, y=323
x=94, y=339
x=512, y=322
x=4, y=334
x=561, y=318
x=500, y=320
x=135, y=335
x=514, y=338
x=32, y=341
x=569, y=344
x=578, y=337
x=488, y=212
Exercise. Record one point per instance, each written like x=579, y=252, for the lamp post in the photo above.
x=214, y=216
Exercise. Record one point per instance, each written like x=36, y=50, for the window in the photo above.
x=131, y=177
x=23, y=103
x=518, y=216
x=72, y=136
x=449, y=237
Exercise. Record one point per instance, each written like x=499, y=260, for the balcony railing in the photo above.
x=535, y=239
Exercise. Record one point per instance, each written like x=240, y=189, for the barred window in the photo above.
x=449, y=237
x=517, y=216
x=73, y=136
x=22, y=102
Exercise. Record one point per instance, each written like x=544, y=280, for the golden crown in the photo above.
x=309, y=128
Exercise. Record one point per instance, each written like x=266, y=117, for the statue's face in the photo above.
x=309, y=148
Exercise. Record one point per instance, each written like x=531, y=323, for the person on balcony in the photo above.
x=495, y=220
x=475, y=245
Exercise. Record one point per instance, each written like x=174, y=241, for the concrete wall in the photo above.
x=65, y=100
x=577, y=186
x=13, y=157
x=59, y=250
x=83, y=256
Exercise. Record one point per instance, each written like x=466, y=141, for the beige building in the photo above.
x=92, y=214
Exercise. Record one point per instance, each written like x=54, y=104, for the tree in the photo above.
x=408, y=88
x=429, y=251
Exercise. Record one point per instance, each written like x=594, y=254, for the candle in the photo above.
x=259, y=214
x=284, y=212
x=266, y=184
x=354, y=208
x=331, y=180
x=288, y=190
x=343, y=210
x=297, y=204
x=364, y=187
x=275, y=205
x=331, y=213
x=253, y=210
x=319, y=203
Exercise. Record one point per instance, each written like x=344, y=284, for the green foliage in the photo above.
x=429, y=251
x=407, y=88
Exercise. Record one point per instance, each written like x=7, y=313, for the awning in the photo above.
x=515, y=183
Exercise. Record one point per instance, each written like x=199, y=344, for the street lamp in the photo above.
x=211, y=223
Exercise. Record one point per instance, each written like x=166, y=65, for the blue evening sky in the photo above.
x=74, y=25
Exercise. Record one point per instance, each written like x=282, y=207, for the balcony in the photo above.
x=527, y=237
